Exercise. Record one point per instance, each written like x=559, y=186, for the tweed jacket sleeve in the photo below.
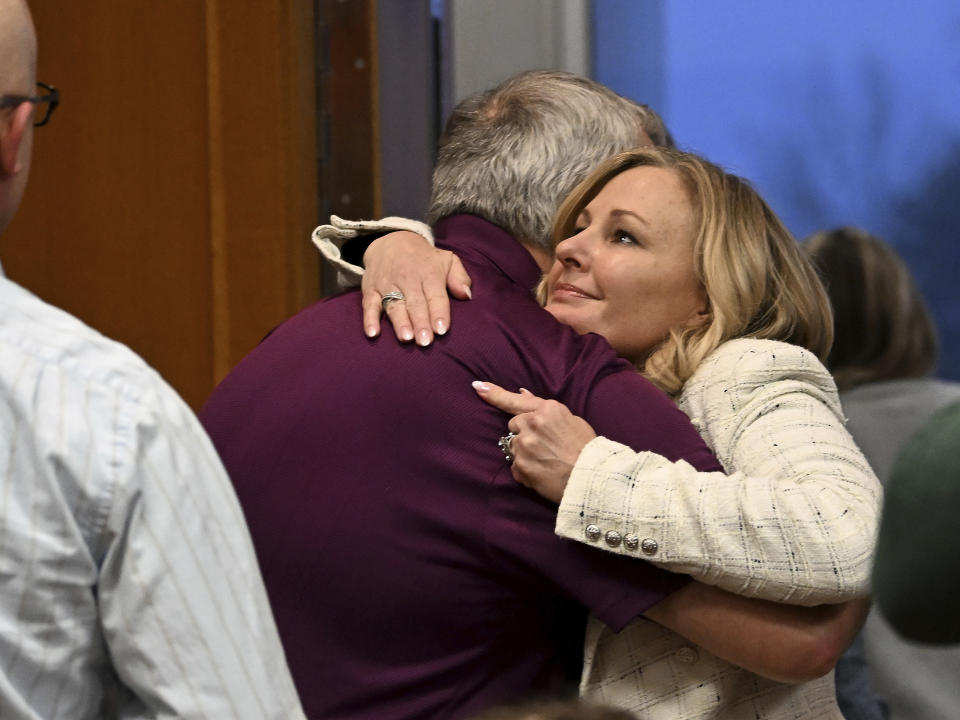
x=330, y=238
x=795, y=521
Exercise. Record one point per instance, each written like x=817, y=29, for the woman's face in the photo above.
x=627, y=274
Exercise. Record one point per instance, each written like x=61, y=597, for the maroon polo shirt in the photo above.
x=410, y=576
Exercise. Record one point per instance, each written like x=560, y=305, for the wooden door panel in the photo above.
x=172, y=195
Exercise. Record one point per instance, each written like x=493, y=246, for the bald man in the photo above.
x=128, y=584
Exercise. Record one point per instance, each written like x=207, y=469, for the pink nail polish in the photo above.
x=480, y=386
x=441, y=327
x=423, y=338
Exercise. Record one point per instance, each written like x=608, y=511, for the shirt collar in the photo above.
x=470, y=236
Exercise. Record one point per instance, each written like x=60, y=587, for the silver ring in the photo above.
x=392, y=296
x=504, y=444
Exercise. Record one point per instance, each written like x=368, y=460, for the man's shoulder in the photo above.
x=504, y=321
x=79, y=407
x=40, y=336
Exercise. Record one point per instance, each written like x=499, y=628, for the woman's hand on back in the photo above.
x=404, y=262
x=548, y=439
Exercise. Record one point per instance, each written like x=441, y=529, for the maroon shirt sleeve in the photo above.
x=521, y=542
x=626, y=407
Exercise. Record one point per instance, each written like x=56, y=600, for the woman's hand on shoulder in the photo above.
x=548, y=438
x=403, y=262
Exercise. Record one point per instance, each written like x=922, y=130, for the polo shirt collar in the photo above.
x=470, y=236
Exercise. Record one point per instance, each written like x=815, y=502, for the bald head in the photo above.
x=18, y=48
x=18, y=69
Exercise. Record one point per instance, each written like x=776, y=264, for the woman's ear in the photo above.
x=702, y=313
x=12, y=132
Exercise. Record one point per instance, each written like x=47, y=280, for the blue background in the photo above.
x=840, y=113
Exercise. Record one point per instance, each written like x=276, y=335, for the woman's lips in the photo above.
x=566, y=290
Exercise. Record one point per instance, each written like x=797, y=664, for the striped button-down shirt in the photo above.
x=128, y=583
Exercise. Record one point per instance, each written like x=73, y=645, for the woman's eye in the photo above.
x=624, y=238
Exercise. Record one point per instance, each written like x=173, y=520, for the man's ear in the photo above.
x=11, y=135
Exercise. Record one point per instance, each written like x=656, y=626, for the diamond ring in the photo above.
x=504, y=444
x=392, y=296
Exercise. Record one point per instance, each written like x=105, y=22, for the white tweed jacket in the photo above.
x=795, y=521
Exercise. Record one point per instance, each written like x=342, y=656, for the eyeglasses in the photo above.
x=46, y=100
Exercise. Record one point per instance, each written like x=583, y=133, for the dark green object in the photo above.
x=916, y=579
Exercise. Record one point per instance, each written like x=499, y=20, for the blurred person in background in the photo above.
x=919, y=593
x=883, y=357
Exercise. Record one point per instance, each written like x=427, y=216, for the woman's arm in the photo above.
x=786, y=643
x=400, y=258
x=796, y=520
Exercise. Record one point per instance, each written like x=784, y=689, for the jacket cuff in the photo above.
x=598, y=503
x=330, y=238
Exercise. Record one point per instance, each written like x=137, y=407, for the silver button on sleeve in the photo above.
x=649, y=546
x=592, y=532
x=613, y=538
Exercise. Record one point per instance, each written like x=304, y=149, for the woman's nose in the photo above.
x=574, y=250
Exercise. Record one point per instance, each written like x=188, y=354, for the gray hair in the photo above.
x=511, y=154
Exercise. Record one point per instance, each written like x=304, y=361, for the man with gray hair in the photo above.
x=410, y=575
x=510, y=155
x=128, y=584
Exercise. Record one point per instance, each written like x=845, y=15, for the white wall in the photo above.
x=489, y=40
x=483, y=42
x=406, y=105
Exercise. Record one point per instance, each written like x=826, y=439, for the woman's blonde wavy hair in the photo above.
x=757, y=281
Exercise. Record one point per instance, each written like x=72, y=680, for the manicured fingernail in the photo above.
x=468, y=292
x=524, y=391
x=371, y=331
x=441, y=327
x=406, y=334
x=423, y=338
x=480, y=386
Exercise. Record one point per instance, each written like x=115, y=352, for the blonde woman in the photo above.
x=687, y=273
